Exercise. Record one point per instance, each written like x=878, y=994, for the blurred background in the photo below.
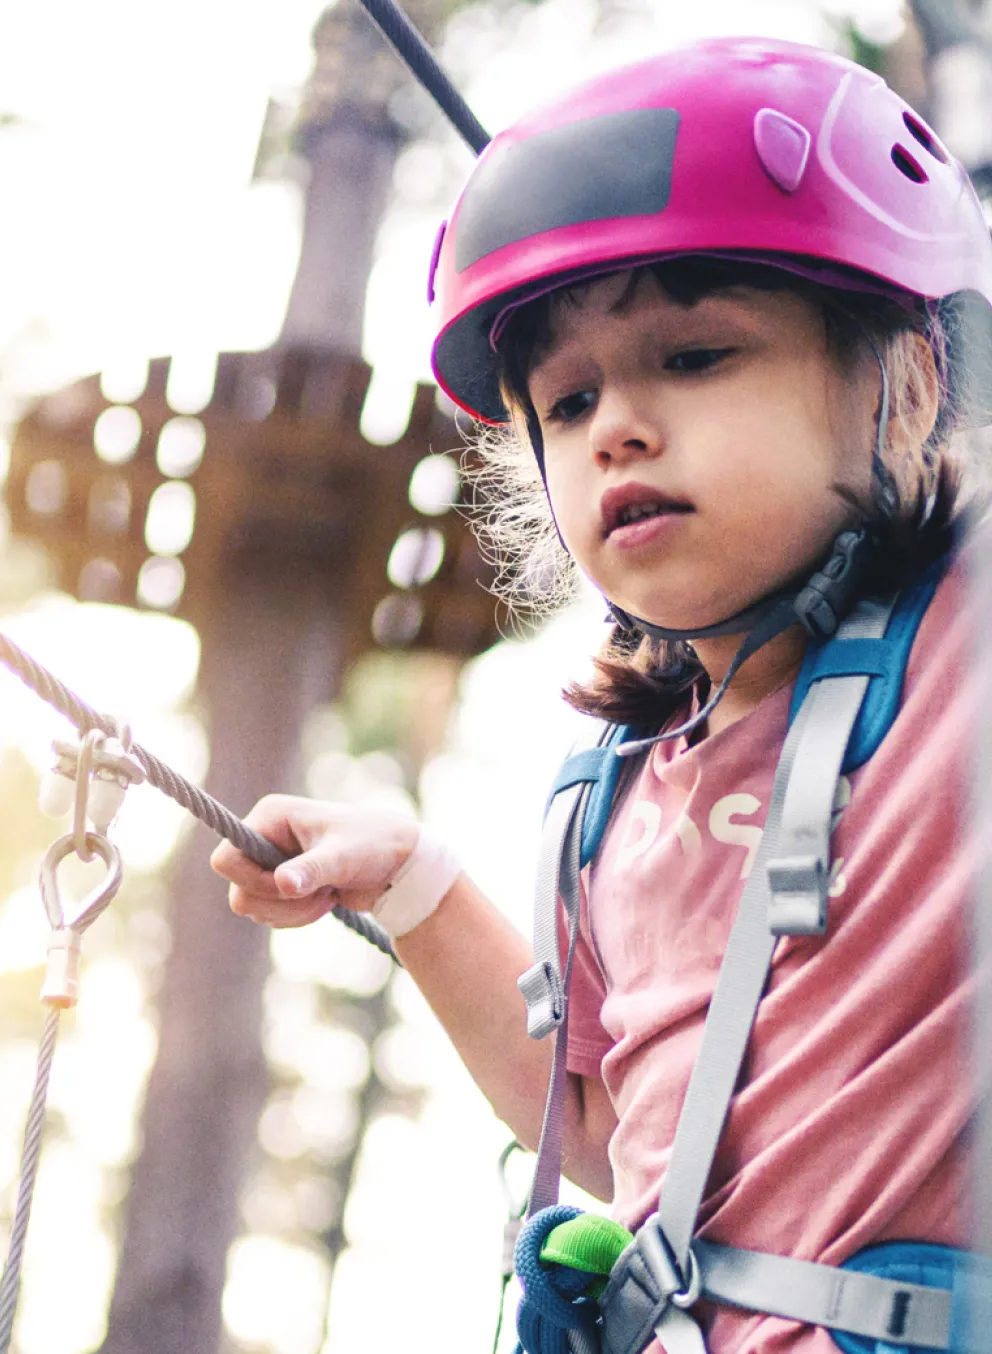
x=234, y=517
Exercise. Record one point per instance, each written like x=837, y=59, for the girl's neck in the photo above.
x=772, y=667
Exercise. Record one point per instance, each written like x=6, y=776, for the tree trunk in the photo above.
x=351, y=144
x=266, y=661
x=268, y=656
x=327, y=300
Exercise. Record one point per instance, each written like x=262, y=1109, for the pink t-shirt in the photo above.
x=849, y=1124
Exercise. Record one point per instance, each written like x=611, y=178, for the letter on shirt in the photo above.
x=724, y=830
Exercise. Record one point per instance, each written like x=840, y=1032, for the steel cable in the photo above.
x=10, y=1283
x=397, y=29
x=200, y=804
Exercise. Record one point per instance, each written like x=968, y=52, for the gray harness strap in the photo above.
x=799, y=818
x=544, y=986
x=799, y=1290
x=664, y=1272
x=799, y=812
x=799, y=874
x=861, y=1304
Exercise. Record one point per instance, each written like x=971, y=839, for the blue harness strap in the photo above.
x=601, y=767
x=920, y=1262
x=885, y=660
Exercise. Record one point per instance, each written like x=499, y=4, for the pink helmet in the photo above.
x=741, y=146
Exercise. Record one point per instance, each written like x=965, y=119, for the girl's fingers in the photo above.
x=339, y=854
x=295, y=823
x=242, y=872
x=280, y=913
x=290, y=823
x=363, y=862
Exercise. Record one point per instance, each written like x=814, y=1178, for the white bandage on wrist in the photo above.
x=417, y=887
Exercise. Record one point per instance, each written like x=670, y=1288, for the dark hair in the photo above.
x=642, y=681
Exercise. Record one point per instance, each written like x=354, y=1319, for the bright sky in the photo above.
x=131, y=228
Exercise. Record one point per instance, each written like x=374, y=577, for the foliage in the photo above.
x=862, y=49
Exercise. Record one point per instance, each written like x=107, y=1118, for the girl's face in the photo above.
x=693, y=454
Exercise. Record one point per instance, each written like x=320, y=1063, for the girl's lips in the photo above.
x=647, y=530
x=628, y=507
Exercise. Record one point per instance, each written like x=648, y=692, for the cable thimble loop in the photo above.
x=61, y=985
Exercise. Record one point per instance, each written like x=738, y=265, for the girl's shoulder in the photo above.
x=946, y=632
x=934, y=726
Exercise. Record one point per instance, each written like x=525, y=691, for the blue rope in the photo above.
x=553, y=1302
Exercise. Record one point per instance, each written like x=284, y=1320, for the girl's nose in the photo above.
x=621, y=430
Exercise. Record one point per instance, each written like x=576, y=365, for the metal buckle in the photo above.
x=673, y=1286
x=798, y=906
x=689, y=1294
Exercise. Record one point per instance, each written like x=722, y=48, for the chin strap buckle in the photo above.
x=826, y=599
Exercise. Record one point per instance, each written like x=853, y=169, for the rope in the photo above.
x=555, y=1316
x=200, y=804
x=10, y=1283
x=397, y=29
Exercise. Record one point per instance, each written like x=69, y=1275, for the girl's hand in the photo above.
x=341, y=855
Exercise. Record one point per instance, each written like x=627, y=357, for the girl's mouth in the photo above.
x=629, y=508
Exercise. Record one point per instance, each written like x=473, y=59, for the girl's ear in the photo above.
x=916, y=395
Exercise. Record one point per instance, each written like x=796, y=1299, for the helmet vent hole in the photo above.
x=908, y=165
x=927, y=139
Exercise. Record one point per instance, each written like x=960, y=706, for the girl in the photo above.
x=722, y=301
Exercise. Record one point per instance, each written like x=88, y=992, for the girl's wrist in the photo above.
x=417, y=888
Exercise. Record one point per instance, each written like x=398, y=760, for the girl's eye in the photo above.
x=570, y=407
x=696, y=359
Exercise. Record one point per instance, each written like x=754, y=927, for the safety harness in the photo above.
x=889, y=1299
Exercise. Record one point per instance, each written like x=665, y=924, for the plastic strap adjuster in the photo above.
x=542, y=991
x=631, y=1305
x=798, y=902
x=644, y=1285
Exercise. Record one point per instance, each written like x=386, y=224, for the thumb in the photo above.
x=302, y=875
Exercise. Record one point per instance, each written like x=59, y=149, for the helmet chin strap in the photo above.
x=733, y=625
x=819, y=606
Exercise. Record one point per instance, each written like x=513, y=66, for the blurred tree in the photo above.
x=264, y=664
x=350, y=140
x=273, y=646
x=957, y=36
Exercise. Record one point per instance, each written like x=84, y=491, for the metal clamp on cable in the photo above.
x=90, y=778
x=542, y=991
x=798, y=902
